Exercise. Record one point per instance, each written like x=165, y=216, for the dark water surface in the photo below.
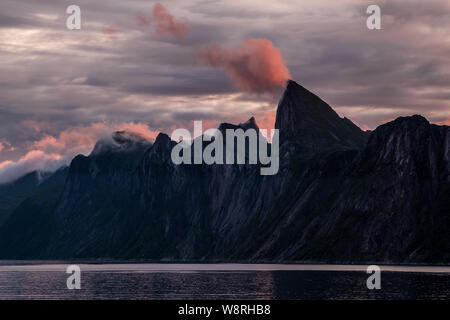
x=221, y=281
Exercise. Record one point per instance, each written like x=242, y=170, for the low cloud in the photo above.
x=33, y=160
x=51, y=152
x=81, y=139
x=254, y=66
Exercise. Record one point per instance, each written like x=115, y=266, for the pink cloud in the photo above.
x=142, y=19
x=33, y=160
x=5, y=163
x=254, y=66
x=81, y=139
x=444, y=122
x=265, y=119
x=163, y=23
x=113, y=29
x=51, y=152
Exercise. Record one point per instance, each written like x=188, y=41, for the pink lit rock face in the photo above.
x=341, y=195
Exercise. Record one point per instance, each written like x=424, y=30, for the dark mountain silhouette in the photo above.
x=304, y=119
x=341, y=195
x=12, y=194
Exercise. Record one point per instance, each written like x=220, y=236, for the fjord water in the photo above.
x=221, y=281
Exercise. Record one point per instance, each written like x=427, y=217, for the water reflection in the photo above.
x=223, y=285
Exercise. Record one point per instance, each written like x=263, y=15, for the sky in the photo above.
x=148, y=66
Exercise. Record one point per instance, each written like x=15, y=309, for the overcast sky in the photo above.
x=60, y=89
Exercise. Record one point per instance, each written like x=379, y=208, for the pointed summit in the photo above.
x=249, y=124
x=305, y=119
x=162, y=142
x=160, y=151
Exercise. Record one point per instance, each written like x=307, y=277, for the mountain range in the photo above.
x=342, y=195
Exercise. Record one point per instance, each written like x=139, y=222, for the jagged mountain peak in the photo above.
x=306, y=120
x=387, y=202
x=162, y=142
x=414, y=120
x=408, y=142
x=162, y=137
x=249, y=124
x=120, y=141
x=408, y=127
x=161, y=149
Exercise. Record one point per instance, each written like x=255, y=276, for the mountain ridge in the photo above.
x=341, y=195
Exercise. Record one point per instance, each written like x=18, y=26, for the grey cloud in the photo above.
x=12, y=21
x=68, y=78
x=416, y=10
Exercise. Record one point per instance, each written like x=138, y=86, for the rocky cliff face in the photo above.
x=388, y=202
x=341, y=195
x=304, y=119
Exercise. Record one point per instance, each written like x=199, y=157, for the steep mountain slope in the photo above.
x=29, y=229
x=13, y=193
x=341, y=195
x=305, y=119
x=391, y=203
